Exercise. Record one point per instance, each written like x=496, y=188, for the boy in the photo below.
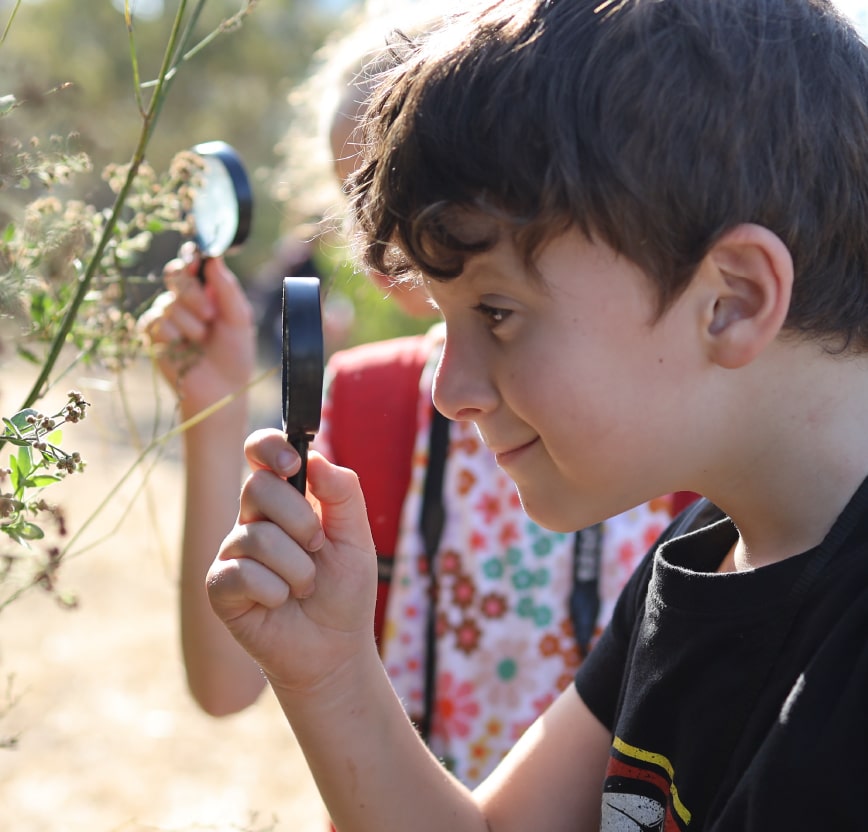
x=646, y=227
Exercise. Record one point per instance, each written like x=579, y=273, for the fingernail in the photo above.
x=284, y=461
x=317, y=542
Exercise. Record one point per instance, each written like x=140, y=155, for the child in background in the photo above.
x=644, y=224
x=498, y=643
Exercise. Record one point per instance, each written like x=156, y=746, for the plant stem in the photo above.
x=150, y=120
x=9, y=22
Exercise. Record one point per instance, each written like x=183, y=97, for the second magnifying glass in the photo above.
x=223, y=204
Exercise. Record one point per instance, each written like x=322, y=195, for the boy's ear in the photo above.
x=748, y=276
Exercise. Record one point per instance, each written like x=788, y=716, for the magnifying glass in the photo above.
x=303, y=365
x=222, y=206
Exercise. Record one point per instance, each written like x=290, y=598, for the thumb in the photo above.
x=341, y=502
x=232, y=304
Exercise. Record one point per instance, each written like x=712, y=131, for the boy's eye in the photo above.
x=494, y=315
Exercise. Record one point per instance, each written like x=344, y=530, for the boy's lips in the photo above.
x=509, y=455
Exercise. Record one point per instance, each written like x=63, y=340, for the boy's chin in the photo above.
x=563, y=514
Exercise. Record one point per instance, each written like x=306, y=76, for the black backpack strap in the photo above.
x=585, y=597
x=587, y=554
x=433, y=513
x=385, y=568
x=431, y=522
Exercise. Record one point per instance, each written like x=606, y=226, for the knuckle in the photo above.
x=258, y=484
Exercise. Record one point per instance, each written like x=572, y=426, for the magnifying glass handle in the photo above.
x=301, y=444
x=200, y=272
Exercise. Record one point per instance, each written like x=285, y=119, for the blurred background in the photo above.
x=97, y=729
x=68, y=65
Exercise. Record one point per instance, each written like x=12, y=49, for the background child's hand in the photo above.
x=295, y=582
x=204, y=334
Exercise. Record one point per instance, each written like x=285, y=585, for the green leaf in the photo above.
x=14, y=474
x=27, y=355
x=12, y=531
x=9, y=233
x=10, y=426
x=30, y=531
x=55, y=437
x=25, y=461
x=42, y=480
x=20, y=419
x=14, y=440
x=67, y=599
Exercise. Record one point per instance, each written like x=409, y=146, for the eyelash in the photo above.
x=494, y=315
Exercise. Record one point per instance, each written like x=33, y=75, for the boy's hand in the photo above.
x=295, y=582
x=204, y=334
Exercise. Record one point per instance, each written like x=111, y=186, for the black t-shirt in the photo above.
x=738, y=701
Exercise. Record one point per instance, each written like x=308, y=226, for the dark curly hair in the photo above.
x=654, y=125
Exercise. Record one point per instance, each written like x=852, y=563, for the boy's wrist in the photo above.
x=339, y=691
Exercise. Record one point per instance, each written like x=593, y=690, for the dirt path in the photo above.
x=108, y=737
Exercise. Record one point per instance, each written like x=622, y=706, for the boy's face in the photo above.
x=568, y=378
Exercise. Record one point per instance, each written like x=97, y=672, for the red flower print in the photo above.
x=463, y=592
x=488, y=507
x=450, y=562
x=479, y=751
x=549, y=645
x=651, y=534
x=564, y=680
x=478, y=541
x=493, y=605
x=508, y=534
x=467, y=635
x=627, y=554
x=565, y=647
x=466, y=481
x=456, y=706
x=571, y=657
x=469, y=444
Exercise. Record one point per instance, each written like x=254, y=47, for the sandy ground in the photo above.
x=107, y=736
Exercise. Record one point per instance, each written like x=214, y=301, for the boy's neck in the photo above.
x=798, y=452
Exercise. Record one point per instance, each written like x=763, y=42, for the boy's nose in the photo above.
x=462, y=387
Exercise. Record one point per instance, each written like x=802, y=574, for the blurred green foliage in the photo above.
x=67, y=63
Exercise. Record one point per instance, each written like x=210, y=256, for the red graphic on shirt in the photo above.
x=639, y=796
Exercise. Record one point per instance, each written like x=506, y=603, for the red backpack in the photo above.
x=375, y=393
